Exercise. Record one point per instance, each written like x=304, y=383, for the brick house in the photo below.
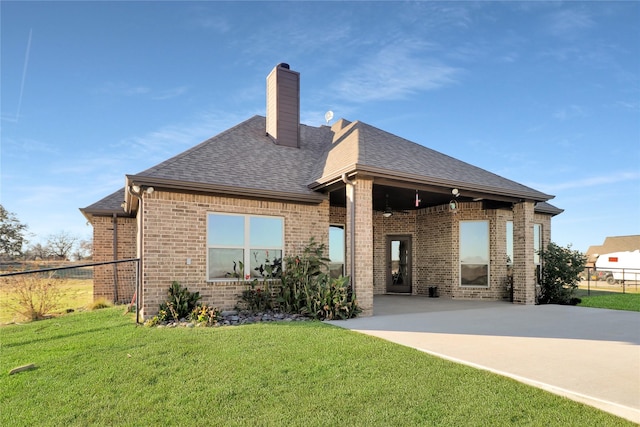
x=397, y=217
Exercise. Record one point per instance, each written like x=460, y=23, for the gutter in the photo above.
x=415, y=179
x=312, y=197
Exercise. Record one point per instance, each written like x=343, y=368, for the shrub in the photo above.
x=37, y=296
x=255, y=298
x=308, y=289
x=100, y=303
x=180, y=303
x=299, y=274
x=560, y=274
x=330, y=299
x=207, y=315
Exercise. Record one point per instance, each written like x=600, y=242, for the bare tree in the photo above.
x=84, y=250
x=38, y=251
x=61, y=244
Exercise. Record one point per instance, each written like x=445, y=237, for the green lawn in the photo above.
x=611, y=300
x=99, y=368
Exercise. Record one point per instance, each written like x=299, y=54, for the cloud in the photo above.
x=593, y=181
x=122, y=89
x=569, y=23
x=170, y=93
x=394, y=73
x=169, y=140
x=569, y=112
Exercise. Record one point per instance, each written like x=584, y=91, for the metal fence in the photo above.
x=114, y=281
x=613, y=277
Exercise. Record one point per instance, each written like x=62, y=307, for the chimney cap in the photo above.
x=284, y=65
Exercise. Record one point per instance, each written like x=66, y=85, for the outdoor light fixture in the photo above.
x=387, y=210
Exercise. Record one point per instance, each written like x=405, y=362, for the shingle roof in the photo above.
x=107, y=205
x=613, y=244
x=369, y=148
x=244, y=159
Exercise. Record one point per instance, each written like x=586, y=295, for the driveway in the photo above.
x=586, y=354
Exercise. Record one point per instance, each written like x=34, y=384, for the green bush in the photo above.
x=330, y=299
x=255, y=298
x=308, y=289
x=207, y=315
x=300, y=274
x=560, y=274
x=180, y=303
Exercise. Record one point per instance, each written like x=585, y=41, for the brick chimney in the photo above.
x=283, y=106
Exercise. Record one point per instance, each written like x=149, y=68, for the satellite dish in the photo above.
x=328, y=116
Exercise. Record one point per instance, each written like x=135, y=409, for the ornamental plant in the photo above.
x=179, y=304
x=561, y=267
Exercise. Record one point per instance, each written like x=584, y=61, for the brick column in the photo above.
x=524, y=284
x=360, y=213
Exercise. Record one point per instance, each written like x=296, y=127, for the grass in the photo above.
x=76, y=293
x=610, y=300
x=98, y=368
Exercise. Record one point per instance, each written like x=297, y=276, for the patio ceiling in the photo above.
x=400, y=198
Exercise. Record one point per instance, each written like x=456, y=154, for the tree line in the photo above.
x=61, y=246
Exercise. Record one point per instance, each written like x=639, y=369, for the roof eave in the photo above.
x=329, y=179
x=189, y=186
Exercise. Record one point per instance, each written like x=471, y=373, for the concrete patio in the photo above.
x=588, y=355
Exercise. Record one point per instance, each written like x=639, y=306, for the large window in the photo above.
x=242, y=246
x=336, y=250
x=474, y=253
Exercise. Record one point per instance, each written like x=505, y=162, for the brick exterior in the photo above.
x=435, y=259
x=175, y=226
x=524, y=285
x=364, y=243
x=175, y=229
x=103, y=276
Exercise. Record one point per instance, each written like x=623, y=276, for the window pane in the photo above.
x=265, y=232
x=261, y=258
x=509, y=242
x=226, y=230
x=536, y=243
x=224, y=262
x=474, y=242
x=474, y=275
x=336, y=251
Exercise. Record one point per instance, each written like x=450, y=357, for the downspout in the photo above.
x=115, y=258
x=352, y=232
x=140, y=273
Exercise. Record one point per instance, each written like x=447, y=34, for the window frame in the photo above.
x=488, y=254
x=246, y=245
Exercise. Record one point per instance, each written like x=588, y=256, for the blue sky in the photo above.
x=546, y=94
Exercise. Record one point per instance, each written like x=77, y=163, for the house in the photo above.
x=397, y=217
x=612, y=244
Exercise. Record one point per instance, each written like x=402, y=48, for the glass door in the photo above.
x=399, y=264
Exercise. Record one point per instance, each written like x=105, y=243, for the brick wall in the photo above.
x=435, y=236
x=364, y=243
x=524, y=287
x=175, y=226
x=400, y=223
x=103, y=276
